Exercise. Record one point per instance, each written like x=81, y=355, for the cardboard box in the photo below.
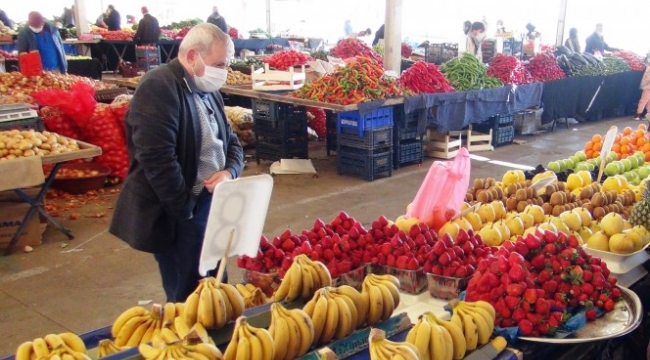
x=11, y=216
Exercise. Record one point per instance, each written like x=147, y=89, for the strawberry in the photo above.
x=583, y=299
x=507, y=323
x=573, y=241
x=530, y=296
x=515, y=258
x=543, y=277
x=516, y=273
x=553, y=322
x=616, y=293
x=576, y=291
x=587, y=288
x=549, y=287
x=590, y=314
x=587, y=276
x=515, y=289
x=576, y=273
x=502, y=264
x=525, y=326
x=612, y=280
x=512, y=302
x=538, y=261
x=609, y=305
x=542, y=328
x=505, y=312
x=518, y=315
x=550, y=249
x=521, y=248
x=556, y=266
x=542, y=307
x=505, y=279
x=533, y=242
x=534, y=318
x=599, y=280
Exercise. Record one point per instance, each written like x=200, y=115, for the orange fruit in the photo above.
x=589, y=145
x=647, y=156
x=632, y=148
x=624, y=149
x=597, y=146
x=596, y=138
x=623, y=156
x=642, y=127
x=617, y=138
x=596, y=154
x=616, y=147
x=589, y=154
x=627, y=131
x=625, y=140
x=640, y=141
x=646, y=147
x=639, y=133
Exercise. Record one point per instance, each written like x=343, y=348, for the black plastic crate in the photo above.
x=365, y=163
x=281, y=129
x=272, y=110
x=503, y=135
x=330, y=122
x=406, y=125
x=408, y=151
x=23, y=124
x=275, y=151
x=371, y=139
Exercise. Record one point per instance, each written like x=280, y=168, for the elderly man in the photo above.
x=43, y=36
x=180, y=147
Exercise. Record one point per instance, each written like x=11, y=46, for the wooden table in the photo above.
x=86, y=151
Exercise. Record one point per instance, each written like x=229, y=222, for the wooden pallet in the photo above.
x=443, y=146
x=477, y=141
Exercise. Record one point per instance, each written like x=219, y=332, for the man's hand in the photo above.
x=215, y=179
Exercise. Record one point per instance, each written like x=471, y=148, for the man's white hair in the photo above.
x=202, y=37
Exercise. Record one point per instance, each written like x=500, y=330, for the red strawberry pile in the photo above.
x=402, y=250
x=534, y=281
x=457, y=259
x=285, y=59
x=318, y=121
x=351, y=47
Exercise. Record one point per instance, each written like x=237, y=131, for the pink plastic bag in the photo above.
x=442, y=192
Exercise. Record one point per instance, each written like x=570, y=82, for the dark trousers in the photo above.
x=179, y=266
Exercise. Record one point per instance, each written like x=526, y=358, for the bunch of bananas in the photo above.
x=137, y=325
x=437, y=339
x=335, y=312
x=476, y=319
x=381, y=293
x=196, y=333
x=253, y=296
x=302, y=279
x=384, y=349
x=213, y=304
x=292, y=332
x=168, y=345
x=66, y=346
x=107, y=347
x=249, y=343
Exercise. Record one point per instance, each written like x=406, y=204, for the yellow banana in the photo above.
x=294, y=339
x=483, y=305
x=354, y=313
x=306, y=327
x=257, y=352
x=205, y=315
x=235, y=299
x=40, y=348
x=219, y=306
x=251, y=287
x=281, y=337
x=376, y=304
x=136, y=337
x=231, y=349
x=449, y=344
x=489, y=320
x=148, y=335
x=283, y=290
x=319, y=316
x=394, y=291
x=420, y=336
x=243, y=290
x=211, y=352
x=73, y=341
x=456, y=333
x=191, y=308
x=24, y=351
x=266, y=341
x=128, y=329
x=325, y=278
x=179, y=309
x=226, y=302
x=296, y=283
x=54, y=341
x=148, y=352
x=307, y=287
x=456, y=320
x=125, y=316
x=55, y=357
x=315, y=277
x=482, y=328
x=389, y=303
x=437, y=348
x=331, y=322
x=201, y=332
x=66, y=356
x=169, y=313
x=346, y=322
x=181, y=327
x=359, y=304
x=470, y=329
x=387, y=277
x=309, y=305
x=243, y=348
x=169, y=337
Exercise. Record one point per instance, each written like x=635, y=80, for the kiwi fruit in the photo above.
x=528, y=182
x=549, y=190
x=511, y=204
x=586, y=193
x=557, y=210
x=520, y=195
x=478, y=183
x=521, y=205
x=548, y=208
x=529, y=193
x=469, y=197
x=499, y=192
x=597, y=200
x=614, y=195
x=599, y=212
x=561, y=186
x=556, y=199
x=588, y=207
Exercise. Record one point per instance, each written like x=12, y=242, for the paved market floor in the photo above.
x=85, y=285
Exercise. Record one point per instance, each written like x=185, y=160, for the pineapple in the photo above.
x=640, y=214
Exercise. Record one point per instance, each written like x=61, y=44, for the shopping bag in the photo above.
x=442, y=192
x=77, y=104
x=30, y=64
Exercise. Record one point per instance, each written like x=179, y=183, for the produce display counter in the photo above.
x=259, y=44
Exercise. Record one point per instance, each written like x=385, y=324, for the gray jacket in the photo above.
x=27, y=42
x=164, y=140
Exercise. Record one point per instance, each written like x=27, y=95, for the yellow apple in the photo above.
x=574, y=181
x=572, y=220
x=510, y=177
x=621, y=244
x=584, y=214
x=585, y=176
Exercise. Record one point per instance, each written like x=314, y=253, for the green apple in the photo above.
x=575, y=159
x=639, y=154
x=592, y=167
x=581, y=155
x=621, y=166
x=554, y=166
x=636, y=180
x=570, y=164
x=583, y=166
x=634, y=160
x=611, y=169
x=627, y=163
x=563, y=166
x=643, y=172
x=629, y=175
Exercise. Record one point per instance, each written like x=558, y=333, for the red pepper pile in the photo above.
x=285, y=59
x=361, y=80
x=509, y=70
x=233, y=32
x=319, y=121
x=633, y=60
x=182, y=32
x=407, y=50
x=544, y=67
x=425, y=77
x=351, y=47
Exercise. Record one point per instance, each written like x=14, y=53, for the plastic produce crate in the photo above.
x=108, y=95
x=268, y=282
x=407, y=151
x=406, y=125
x=504, y=119
x=281, y=129
x=271, y=110
x=371, y=139
x=352, y=278
x=410, y=281
x=378, y=118
x=23, y=124
x=366, y=163
x=503, y=135
x=274, y=151
x=445, y=287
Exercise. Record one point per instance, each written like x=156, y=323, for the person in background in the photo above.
x=180, y=147
x=112, y=19
x=216, y=19
x=347, y=28
x=379, y=35
x=100, y=21
x=644, y=101
x=572, y=43
x=5, y=19
x=148, y=29
x=595, y=43
x=474, y=39
x=68, y=17
x=467, y=27
x=43, y=36
x=130, y=19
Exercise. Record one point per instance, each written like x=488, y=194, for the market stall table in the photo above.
x=86, y=151
x=259, y=44
x=83, y=46
x=85, y=67
x=168, y=49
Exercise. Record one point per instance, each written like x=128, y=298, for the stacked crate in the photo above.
x=365, y=143
x=148, y=57
x=280, y=131
x=407, y=140
x=330, y=124
x=502, y=126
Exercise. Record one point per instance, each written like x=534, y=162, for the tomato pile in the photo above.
x=509, y=70
x=633, y=60
x=425, y=77
x=117, y=35
x=351, y=47
x=536, y=283
x=283, y=60
x=361, y=80
x=544, y=67
x=318, y=121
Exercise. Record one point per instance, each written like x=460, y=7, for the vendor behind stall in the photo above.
x=595, y=43
x=43, y=36
x=148, y=29
x=379, y=35
x=113, y=19
x=474, y=39
x=572, y=43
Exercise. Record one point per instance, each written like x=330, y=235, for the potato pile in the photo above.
x=237, y=78
x=16, y=88
x=15, y=144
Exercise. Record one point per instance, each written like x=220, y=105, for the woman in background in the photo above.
x=572, y=42
x=644, y=101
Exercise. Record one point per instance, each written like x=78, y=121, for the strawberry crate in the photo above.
x=366, y=163
x=407, y=151
x=445, y=287
x=371, y=139
x=268, y=282
x=378, y=118
x=352, y=278
x=411, y=282
x=371, y=268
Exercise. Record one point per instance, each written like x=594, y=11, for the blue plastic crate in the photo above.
x=504, y=119
x=503, y=135
x=409, y=151
x=365, y=163
x=378, y=118
x=371, y=139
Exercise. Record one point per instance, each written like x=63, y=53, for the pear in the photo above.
x=475, y=220
x=491, y=236
x=599, y=241
x=537, y=212
x=612, y=224
x=548, y=226
x=503, y=229
x=579, y=237
x=621, y=244
x=499, y=210
x=486, y=213
x=560, y=225
x=463, y=223
x=451, y=228
x=527, y=219
x=638, y=236
x=585, y=233
x=584, y=214
x=572, y=220
x=515, y=225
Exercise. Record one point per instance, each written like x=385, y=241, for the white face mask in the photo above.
x=36, y=30
x=480, y=37
x=212, y=79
